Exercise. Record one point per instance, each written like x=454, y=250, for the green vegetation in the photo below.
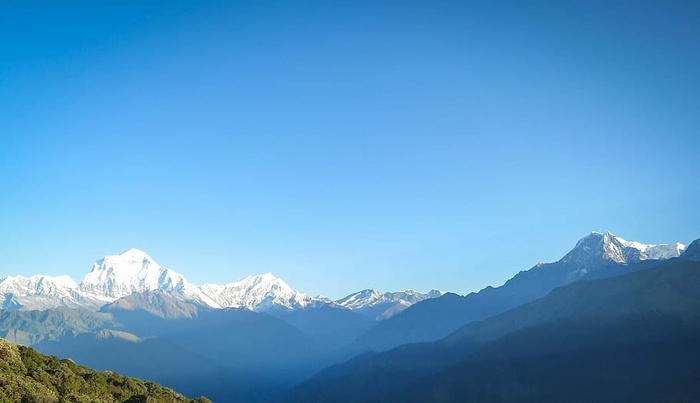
x=27, y=376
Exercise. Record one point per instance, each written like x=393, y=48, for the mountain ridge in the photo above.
x=133, y=271
x=597, y=255
x=661, y=300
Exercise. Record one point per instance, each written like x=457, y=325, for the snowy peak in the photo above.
x=37, y=285
x=663, y=252
x=259, y=293
x=360, y=299
x=597, y=248
x=371, y=297
x=117, y=276
x=134, y=271
x=42, y=292
x=384, y=305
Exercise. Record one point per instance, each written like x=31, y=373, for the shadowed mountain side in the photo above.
x=671, y=289
x=156, y=303
x=237, y=339
x=667, y=294
x=634, y=359
x=331, y=327
x=436, y=318
x=245, y=340
x=155, y=359
x=692, y=252
x=290, y=344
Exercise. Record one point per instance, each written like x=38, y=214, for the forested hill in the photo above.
x=26, y=375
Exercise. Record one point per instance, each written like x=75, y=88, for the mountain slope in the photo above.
x=639, y=359
x=26, y=375
x=597, y=255
x=156, y=303
x=31, y=327
x=154, y=359
x=658, y=305
x=692, y=252
x=223, y=353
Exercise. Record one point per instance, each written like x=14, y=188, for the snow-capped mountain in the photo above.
x=117, y=276
x=261, y=293
x=596, y=256
x=134, y=271
x=602, y=248
x=43, y=292
x=384, y=305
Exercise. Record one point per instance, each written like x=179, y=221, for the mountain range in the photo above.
x=596, y=255
x=134, y=271
x=257, y=337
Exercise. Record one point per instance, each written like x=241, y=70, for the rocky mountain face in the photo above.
x=599, y=249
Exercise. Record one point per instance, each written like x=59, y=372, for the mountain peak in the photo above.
x=259, y=292
x=134, y=251
x=605, y=247
x=265, y=277
x=133, y=270
x=379, y=305
x=131, y=254
x=596, y=236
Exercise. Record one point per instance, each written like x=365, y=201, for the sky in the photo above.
x=344, y=145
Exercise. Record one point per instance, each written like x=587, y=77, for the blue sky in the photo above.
x=344, y=145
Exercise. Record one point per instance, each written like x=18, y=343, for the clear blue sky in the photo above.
x=344, y=144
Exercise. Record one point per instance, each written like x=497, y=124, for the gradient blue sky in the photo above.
x=344, y=145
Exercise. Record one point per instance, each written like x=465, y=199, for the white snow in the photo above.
x=43, y=292
x=117, y=276
x=651, y=251
x=260, y=292
x=390, y=302
x=597, y=246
